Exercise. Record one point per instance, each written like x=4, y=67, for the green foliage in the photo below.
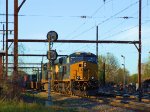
x=119, y=78
x=108, y=66
x=15, y=106
x=38, y=105
x=20, y=106
x=133, y=78
x=101, y=71
x=7, y=89
x=146, y=74
x=113, y=72
x=111, y=67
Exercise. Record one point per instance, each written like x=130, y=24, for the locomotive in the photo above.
x=76, y=74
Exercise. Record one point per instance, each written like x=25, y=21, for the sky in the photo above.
x=38, y=17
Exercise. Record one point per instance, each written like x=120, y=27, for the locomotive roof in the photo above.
x=82, y=54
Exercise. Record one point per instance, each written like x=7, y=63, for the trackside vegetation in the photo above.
x=20, y=106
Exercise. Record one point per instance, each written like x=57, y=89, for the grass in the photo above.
x=21, y=106
x=10, y=102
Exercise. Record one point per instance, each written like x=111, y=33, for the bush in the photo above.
x=9, y=90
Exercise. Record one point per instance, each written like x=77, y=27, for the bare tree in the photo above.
x=22, y=50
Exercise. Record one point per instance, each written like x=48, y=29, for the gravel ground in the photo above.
x=82, y=104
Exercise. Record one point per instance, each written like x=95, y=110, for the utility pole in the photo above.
x=6, y=39
x=139, y=63
x=16, y=11
x=41, y=67
x=97, y=40
x=97, y=49
x=15, y=38
x=3, y=48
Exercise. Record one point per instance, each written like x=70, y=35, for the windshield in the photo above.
x=92, y=59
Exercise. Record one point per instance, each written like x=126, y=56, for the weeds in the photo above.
x=10, y=102
x=20, y=106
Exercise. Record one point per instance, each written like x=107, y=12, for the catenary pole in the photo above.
x=6, y=38
x=139, y=63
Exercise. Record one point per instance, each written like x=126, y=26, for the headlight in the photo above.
x=92, y=77
x=78, y=77
x=84, y=64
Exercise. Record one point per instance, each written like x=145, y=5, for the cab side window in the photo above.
x=80, y=65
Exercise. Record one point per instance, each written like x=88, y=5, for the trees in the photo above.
x=110, y=70
x=112, y=67
x=146, y=74
x=101, y=69
x=133, y=78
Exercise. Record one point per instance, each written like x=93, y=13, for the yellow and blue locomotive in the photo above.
x=76, y=74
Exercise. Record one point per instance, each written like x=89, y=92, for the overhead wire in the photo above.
x=91, y=16
x=81, y=25
x=146, y=21
x=58, y=16
x=126, y=30
x=122, y=30
x=110, y=30
x=106, y=19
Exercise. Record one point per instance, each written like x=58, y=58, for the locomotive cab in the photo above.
x=84, y=71
x=83, y=66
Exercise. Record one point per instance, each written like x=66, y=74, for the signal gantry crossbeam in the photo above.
x=77, y=41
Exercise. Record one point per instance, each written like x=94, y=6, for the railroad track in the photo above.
x=125, y=101
x=128, y=102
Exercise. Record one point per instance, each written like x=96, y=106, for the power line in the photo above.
x=125, y=17
x=110, y=30
x=125, y=30
x=107, y=19
x=22, y=15
x=87, y=21
x=81, y=25
x=117, y=13
x=5, y=22
x=100, y=7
